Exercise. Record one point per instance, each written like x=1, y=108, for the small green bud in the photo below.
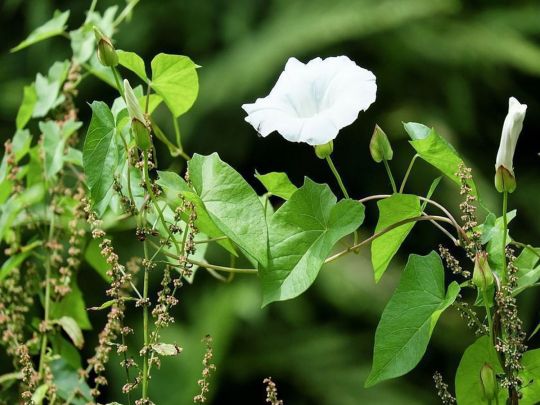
x=504, y=180
x=379, y=146
x=488, y=381
x=324, y=150
x=106, y=53
x=142, y=134
x=482, y=274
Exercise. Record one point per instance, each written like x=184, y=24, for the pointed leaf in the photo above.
x=72, y=330
x=277, y=184
x=396, y=208
x=230, y=203
x=100, y=153
x=133, y=62
x=436, y=151
x=51, y=28
x=27, y=106
x=409, y=318
x=302, y=233
x=174, y=78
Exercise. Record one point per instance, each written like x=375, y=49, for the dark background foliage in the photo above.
x=447, y=63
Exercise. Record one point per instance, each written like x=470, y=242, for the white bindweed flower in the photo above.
x=311, y=102
x=513, y=123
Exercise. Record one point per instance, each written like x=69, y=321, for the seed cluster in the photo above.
x=442, y=390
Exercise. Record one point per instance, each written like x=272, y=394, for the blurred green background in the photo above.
x=446, y=63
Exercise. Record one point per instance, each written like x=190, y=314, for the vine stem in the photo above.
x=505, y=231
x=145, y=297
x=411, y=164
x=390, y=176
x=342, y=187
x=179, y=139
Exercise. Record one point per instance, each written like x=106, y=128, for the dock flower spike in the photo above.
x=504, y=165
x=311, y=102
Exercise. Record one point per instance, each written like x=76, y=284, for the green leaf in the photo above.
x=68, y=382
x=435, y=150
x=12, y=263
x=51, y=28
x=409, y=318
x=83, y=40
x=73, y=306
x=530, y=376
x=133, y=62
x=302, y=233
x=20, y=144
x=69, y=325
x=494, y=246
x=468, y=388
x=39, y=394
x=166, y=349
x=54, y=140
x=231, y=204
x=396, y=208
x=174, y=78
x=277, y=184
x=27, y=106
x=66, y=350
x=48, y=89
x=100, y=154
x=16, y=203
x=528, y=269
x=431, y=190
x=173, y=187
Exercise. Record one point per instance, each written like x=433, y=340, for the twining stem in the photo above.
x=342, y=187
x=411, y=164
x=390, y=176
x=505, y=231
x=385, y=230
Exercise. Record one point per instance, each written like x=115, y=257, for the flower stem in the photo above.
x=390, y=176
x=145, y=376
x=181, y=151
x=505, y=231
x=117, y=81
x=407, y=173
x=342, y=187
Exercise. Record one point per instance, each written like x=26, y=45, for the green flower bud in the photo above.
x=324, y=150
x=504, y=180
x=379, y=146
x=488, y=381
x=106, y=53
x=142, y=134
x=482, y=275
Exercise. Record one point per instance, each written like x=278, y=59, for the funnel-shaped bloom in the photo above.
x=513, y=123
x=311, y=102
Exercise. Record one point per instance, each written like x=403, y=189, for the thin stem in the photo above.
x=145, y=376
x=342, y=187
x=117, y=81
x=181, y=151
x=490, y=320
x=390, y=176
x=385, y=230
x=210, y=240
x=90, y=10
x=125, y=12
x=505, y=231
x=411, y=164
x=337, y=176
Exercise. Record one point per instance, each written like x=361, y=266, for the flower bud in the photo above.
x=141, y=134
x=488, y=381
x=105, y=50
x=482, y=275
x=324, y=150
x=379, y=146
x=504, y=180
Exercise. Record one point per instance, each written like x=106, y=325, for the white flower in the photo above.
x=513, y=123
x=312, y=102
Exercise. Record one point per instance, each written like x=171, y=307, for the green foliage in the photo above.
x=302, y=233
x=101, y=154
x=51, y=28
x=69, y=385
x=435, y=150
x=396, y=208
x=133, y=62
x=409, y=318
x=277, y=184
x=174, y=78
x=468, y=388
x=47, y=90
